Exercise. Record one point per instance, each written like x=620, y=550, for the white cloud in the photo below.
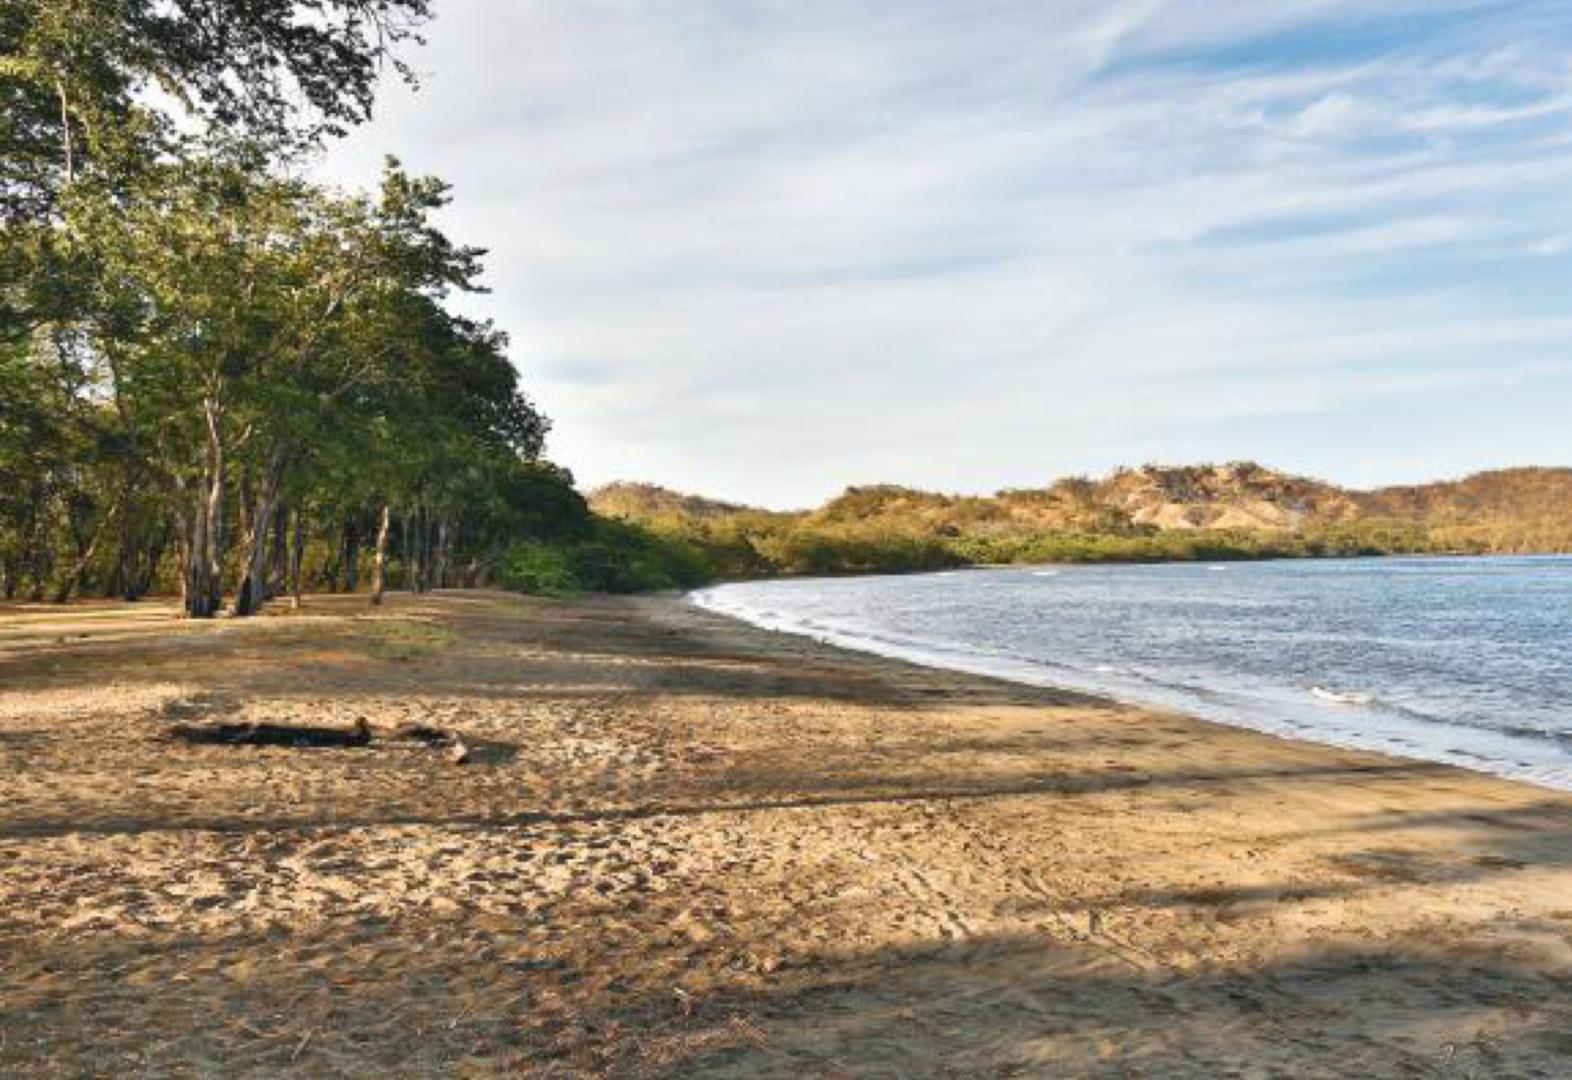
x=767, y=249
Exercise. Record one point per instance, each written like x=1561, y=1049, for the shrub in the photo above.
x=534, y=566
x=616, y=557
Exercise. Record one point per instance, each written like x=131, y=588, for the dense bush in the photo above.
x=614, y=557
x=538, y=566
x=620, y=557
x=675, y=553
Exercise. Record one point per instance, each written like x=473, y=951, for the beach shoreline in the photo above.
x=685, y=845
x=1312, y=655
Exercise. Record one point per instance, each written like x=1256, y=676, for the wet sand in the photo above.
x=683, y=846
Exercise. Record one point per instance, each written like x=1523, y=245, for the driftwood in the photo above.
x=261, y=734
x=421, y=733
x=437, y=739
x=250, y=733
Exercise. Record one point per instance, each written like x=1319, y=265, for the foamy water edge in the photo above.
x=1493, y=753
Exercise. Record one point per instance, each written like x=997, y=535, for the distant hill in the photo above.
x=644, y=502
x=1239, y=509
x=1239, y=495
x=1501, y=493
x=1508, y=510
x=1242, y=495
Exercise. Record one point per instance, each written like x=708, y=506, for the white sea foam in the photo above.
x=1341, y=697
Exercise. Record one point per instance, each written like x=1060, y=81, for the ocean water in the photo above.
x=1460, y=660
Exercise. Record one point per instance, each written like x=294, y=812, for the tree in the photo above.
x=200, y=352
x=260, y=333
x=116, y=82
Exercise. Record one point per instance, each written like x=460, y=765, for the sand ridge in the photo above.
x=688, y=847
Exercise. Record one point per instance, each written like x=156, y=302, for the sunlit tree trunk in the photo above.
x=379, y=572
x=203, y=576
x=253, y=550
x=297, y=558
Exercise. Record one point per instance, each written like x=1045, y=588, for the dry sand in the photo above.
x=687, y=847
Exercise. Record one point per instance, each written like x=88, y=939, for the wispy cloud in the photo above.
x=765, y=248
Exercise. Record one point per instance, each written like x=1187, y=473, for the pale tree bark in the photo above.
x=379, y=571
x=440, y=568
x=68, y=142
x=253, y=549
x=297, y=558
x=203, y=574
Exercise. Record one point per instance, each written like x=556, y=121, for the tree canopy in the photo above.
x=110, y=82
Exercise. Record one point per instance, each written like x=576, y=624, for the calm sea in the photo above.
x=1461, y=660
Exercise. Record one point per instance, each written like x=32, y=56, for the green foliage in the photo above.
x=77, y=79
x=851, y=549
x=540, y=567
x=214, y=374
x=613, y=557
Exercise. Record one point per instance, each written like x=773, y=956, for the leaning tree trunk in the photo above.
x=379, y=571
x=73, y=576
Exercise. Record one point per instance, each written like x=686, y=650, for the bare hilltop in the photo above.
x=1240, y=509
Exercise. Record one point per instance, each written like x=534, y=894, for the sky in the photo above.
x=765, y=249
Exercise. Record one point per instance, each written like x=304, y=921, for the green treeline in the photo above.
x=219, y=379
x=776, y=545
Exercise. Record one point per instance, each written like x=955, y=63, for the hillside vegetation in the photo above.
x=1154, y=513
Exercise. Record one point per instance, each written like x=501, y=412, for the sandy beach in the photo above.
x=684, y=846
